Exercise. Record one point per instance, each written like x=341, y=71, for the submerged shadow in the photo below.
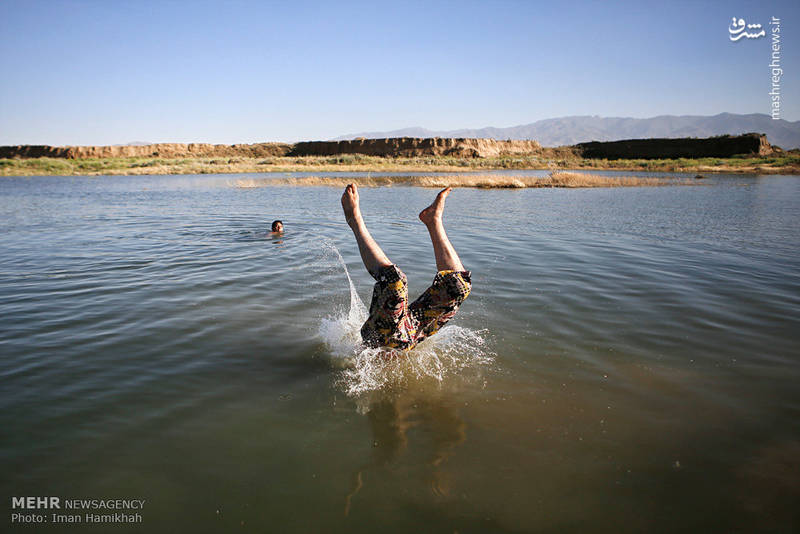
x=392, y=419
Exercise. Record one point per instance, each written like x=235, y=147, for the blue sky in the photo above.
x=84, y=72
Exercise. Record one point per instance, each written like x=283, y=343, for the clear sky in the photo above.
x=113, y=72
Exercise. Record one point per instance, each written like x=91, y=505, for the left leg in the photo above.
x=388, y=324
x=371, y=253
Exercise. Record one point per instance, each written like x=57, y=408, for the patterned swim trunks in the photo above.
x=393, y=323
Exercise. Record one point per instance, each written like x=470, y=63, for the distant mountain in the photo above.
x=571, y=130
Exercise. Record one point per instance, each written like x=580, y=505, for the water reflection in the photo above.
x=406, y=420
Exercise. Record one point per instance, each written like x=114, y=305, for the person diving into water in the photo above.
x=392, y=322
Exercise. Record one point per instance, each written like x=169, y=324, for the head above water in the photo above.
x=277, y=226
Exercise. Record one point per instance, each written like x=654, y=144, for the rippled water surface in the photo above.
x=627, y=361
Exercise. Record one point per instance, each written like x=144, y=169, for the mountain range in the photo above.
x=578, y=129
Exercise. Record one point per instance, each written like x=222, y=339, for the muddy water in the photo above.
x=627, y=361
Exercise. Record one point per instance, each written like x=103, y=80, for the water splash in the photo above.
x=453, y=349
x=342, y=331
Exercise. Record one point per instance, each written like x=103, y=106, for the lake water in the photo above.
x=627, y=361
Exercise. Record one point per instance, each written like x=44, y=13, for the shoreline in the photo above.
x=131, y=166
x=555, y=179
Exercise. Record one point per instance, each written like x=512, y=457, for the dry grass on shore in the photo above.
x=550, y=159
x=481, y=181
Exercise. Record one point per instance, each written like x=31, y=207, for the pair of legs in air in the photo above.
x=392, y=322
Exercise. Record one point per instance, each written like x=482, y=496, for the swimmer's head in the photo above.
x=277, y=226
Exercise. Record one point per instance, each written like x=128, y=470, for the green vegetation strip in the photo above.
x=785, y=164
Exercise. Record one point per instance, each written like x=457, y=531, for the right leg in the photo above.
x=452, y=284
x=371, y=254
x=446, y=257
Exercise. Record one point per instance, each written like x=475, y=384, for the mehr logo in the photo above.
x=35, y=503
x=76, y=510
x=737, y=27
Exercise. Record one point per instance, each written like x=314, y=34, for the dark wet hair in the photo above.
x=275, y=223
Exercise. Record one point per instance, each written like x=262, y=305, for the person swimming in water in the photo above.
x=277, y=228
x=392, y=322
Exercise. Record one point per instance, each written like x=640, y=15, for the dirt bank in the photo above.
x=686, y=147
x=395, y=147
x=414, y=146
x=161, y=150
x=411, y=147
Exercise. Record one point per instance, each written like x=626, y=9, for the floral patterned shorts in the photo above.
x=395, y=324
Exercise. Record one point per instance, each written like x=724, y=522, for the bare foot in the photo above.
x=433, y=213
x=350, y=201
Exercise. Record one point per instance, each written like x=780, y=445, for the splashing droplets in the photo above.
x=364, y=369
